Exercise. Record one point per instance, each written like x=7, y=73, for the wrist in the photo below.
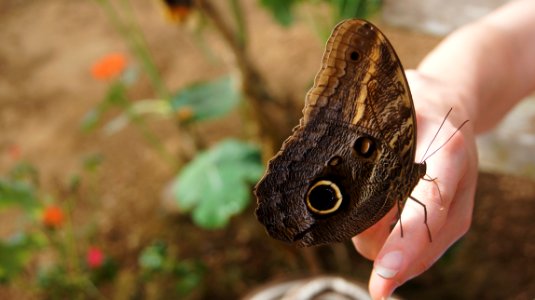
x=433, y=98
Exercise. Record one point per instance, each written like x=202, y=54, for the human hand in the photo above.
x=449, y=211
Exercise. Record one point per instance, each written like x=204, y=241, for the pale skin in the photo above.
x=481, y=71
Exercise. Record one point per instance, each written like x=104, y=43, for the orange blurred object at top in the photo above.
x=178, y=10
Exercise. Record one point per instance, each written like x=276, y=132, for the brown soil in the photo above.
x=46, y=88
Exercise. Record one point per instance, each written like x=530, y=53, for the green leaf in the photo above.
x=91, y=119
x=105, y=273
x=206, y=100
x=24, y=172
x=92, y=162
x=153, y=257
x=17, y=193
x=281, y=10
x=57, y=283
x=14, y=254
x=347, y=9
x=189, y=276
x=216, y=184
x=115, y=96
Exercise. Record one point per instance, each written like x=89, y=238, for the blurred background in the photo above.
x=132, y=133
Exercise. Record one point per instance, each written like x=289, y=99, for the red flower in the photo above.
x=94, y=257
x=53, y=217
x=109, y=66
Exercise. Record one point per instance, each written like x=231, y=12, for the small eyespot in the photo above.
x=334, y=161
x=365, y=146
x=354, y=56
x=324, y=197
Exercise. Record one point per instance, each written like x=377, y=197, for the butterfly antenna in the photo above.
x=436, y=134
x=459, y=128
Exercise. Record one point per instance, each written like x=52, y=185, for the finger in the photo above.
x=403, y=258
x=460, y=217
x=380, y=287
x=398, y=254
x=369, y=242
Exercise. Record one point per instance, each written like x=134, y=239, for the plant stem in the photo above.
x=265, y=106
x=138, y=40
x=149, y=136
x=71, y=251
x=131, y=32
x=240, y=22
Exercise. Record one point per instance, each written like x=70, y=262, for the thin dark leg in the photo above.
x=429, y=178
x=425, y=217
x=436, y=185
x=399, y=217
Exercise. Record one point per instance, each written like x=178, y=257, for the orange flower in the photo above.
x=109, y=66
x=185, y=113
x=53, y=217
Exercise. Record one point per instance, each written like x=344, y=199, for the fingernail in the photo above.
x=388, y=266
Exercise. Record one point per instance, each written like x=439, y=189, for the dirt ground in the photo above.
x=46, y=89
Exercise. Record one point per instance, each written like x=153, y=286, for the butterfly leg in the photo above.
x=425, y=217
x=429, y=178
x=433, y=180
x=399, y=217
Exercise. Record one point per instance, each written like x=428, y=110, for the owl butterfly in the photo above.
x=351, y=158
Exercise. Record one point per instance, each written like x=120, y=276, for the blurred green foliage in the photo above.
x=156, y=261
x=15, y=253
x=283, y=11
x=213, y=187
x=206, y=100
x=216, y=184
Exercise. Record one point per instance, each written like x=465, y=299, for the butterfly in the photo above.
x=352, y=156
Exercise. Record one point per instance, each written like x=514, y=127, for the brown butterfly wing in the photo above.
x=362, y=82
x=359, y=94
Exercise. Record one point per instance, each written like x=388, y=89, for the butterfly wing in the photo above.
x=356, y=139
x=361, y=82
